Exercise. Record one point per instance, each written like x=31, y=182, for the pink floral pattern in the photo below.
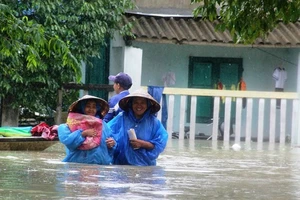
x=77, y=121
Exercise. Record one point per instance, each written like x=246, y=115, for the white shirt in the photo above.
x=280, y=76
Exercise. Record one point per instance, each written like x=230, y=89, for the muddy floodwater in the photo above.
x=184, y=171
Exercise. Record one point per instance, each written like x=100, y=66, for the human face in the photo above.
x=139, y=106
x=90, y=108
x=117, y=88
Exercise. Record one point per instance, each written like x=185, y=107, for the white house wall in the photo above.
x=258, y=65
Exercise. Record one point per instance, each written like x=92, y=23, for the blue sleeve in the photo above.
x=159, y=140
x=107, y=134
x=71, y=140
x=108, y=117
x=111, y=113
x=115, y=126
x=112, y=102
x=117, y=129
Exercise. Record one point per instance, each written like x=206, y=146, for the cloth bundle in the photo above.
x=77, y=121
x=45, y=131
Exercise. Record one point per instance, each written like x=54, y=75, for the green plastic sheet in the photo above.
x=15, y=131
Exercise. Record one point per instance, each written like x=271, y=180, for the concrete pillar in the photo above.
x=133, y=66
x=126, y=59
x=296, y=138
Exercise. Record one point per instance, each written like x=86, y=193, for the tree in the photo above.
x=248, y=20
x=57, y=35
x=24, y=48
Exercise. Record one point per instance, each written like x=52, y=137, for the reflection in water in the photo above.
x=92, y=181
x=185, y=170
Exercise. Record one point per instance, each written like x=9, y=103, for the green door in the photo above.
x=229, y=76
x=97, y=72
x=201, y=76
x=204, y=73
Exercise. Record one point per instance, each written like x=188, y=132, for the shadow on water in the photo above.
x=185, y=170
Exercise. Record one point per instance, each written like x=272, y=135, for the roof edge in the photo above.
x=160, y=15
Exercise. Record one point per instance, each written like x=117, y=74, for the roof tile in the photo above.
x=190, y=30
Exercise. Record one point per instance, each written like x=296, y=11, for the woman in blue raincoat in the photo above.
x=150, y=138
x=86, y=137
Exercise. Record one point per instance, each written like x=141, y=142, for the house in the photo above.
x=169, y=40
x=198, y=56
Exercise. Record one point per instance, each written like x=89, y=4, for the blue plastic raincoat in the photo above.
x=114, y=109
x=72, y=140
x=148, y=128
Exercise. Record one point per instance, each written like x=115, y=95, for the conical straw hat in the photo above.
x=74, y=107
x=123, y=103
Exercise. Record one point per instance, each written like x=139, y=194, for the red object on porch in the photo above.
x=220, y=85
x=242, y=85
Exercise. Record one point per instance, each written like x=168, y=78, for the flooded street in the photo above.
x=183, y=171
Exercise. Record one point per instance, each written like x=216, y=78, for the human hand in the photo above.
x=110, y=142
x=136, y=143
x=89, y=132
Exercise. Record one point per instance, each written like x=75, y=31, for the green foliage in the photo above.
x=83, y=25
x=42, y=43
x=248, y=20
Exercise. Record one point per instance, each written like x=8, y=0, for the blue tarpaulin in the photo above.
x=157, y=93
